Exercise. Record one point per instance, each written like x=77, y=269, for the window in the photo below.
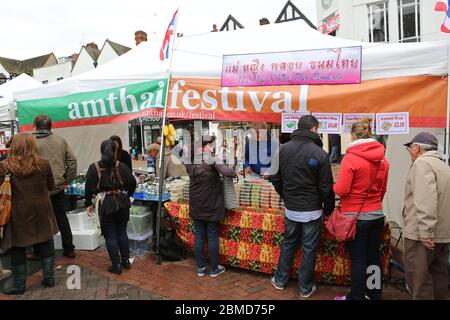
x=57, y=79
x=409, y=20
x=378, y=22
x=45, y=81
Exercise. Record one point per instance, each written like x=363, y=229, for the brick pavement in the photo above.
x=171, y=280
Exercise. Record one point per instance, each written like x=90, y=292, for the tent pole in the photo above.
x=162, y=151
x=142, y=138
x=447, y=129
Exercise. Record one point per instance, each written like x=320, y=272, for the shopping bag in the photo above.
x=229, y=193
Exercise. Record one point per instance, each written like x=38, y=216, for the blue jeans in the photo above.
x=207, y=229
x=310, y=235
x=334, y=154
x=364, y=251
x=114, y=229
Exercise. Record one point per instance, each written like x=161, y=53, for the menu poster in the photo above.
x=351, y=118
x=289, y=121
x=392, y=123
x=329, y=122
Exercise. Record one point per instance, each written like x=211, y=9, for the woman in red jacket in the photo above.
x=361, y=186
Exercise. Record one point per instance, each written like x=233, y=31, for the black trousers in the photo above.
x=114, y=229
x=44, y=250
x=364, y=251
x=59, y=207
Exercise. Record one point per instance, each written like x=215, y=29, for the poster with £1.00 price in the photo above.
x=392, y=123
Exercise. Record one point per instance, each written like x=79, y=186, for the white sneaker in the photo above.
x=5, y=274
x=307, y=295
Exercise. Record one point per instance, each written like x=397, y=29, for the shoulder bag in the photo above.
x=5, y=201
x=343, y=227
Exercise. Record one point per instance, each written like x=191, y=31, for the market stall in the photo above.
x=250, y=236
x=405, y=77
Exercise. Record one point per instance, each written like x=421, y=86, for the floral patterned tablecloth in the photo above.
x=250, y=238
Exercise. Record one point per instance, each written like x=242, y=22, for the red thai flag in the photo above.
x=164, y=52
x=443, y=6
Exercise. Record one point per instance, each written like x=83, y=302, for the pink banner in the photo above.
x=322, y=66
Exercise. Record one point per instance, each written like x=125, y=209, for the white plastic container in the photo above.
x=82, y=240
x=140, y=224
x=77, y=219
x=139, y=237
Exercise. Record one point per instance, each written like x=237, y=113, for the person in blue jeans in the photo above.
x=206, y=203
x=305, y=183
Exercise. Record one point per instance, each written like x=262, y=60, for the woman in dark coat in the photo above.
x=206, y=204
x=116, y=185
x=32, y=221
x=122, y=155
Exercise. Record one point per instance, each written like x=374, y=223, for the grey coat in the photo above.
x=206, y=200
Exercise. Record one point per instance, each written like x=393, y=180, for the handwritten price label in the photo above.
x=329, y=122
x=392, y=123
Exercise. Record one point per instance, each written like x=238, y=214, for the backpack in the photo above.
x=113, y=200
x=5, y=202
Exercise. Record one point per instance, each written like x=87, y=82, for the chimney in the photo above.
x=92, y=45
x=215, y=28
x=74, y=57
x=263, y=21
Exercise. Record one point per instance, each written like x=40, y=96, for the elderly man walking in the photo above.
x=427, y=219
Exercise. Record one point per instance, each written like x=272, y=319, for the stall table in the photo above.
x=250, y=238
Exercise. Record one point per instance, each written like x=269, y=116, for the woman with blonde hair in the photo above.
x=361, y=186
x=32, y=221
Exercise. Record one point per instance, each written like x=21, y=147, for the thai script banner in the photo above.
x=322, y=66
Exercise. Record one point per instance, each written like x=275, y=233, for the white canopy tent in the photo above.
x=22, y=82
x=200, y=56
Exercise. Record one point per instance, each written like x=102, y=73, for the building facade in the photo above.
x=381, y=20
x=87, y=59
x=55, y=72
x=110, y=51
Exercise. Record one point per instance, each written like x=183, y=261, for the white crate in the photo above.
x=82, y=240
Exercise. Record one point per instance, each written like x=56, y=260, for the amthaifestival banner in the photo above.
x=120, y=104
x=205, y=99
x=321, y=66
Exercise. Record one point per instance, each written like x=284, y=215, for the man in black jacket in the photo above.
x=305, y=183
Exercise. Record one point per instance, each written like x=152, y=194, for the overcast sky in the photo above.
x=34, y=27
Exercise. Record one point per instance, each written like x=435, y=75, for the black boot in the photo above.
x=19, y=280
x=117, y=269
x=48, y=272
x=126, y=264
